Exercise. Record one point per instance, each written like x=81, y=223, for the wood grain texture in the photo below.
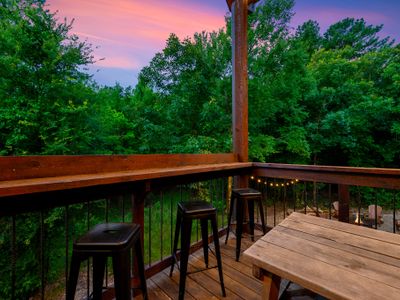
x=239, y=80
x=26, y=167
x=334, y=259
x=372, y=177
x=66, y=182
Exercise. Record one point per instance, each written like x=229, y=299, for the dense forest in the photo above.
x=327, y=98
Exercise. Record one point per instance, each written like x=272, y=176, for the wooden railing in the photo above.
x=133, y=184
x=319, y=187
x=77, y=185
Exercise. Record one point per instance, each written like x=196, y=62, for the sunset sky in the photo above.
x=129, y=32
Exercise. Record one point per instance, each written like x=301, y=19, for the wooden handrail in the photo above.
x=20, y=187
x=371, y=177
x=35, y=182
x=25, y=167
x=32, y=182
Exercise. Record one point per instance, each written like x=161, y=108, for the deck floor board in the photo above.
x=239, y=281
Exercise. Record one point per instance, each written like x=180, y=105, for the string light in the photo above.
x=275, y=184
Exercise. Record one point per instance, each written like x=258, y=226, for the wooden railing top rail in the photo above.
x=25, y=167
x=34, y=182
x=371, y=177
x=67, y=182
x=36, y=174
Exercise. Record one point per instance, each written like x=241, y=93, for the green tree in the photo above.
x=43, y=92
x=353, y=116
x=308, y=34
x=278, y=80
x=356, y=34
x=191, y=80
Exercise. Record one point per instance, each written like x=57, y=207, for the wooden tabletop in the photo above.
x=334, y=259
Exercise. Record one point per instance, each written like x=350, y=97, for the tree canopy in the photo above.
x=323, y=98
x=329, y=98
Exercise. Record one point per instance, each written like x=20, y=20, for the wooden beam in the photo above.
x=26, y=167
x=344, y=203
x=372, y=177
x=239, y=81
x=229, y=2
x=239, y=85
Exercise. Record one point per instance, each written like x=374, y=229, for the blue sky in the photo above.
x=128, y=33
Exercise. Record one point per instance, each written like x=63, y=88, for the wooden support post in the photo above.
x=344, y=202
x=138, y=200
x=271, y=283
x=239, y=85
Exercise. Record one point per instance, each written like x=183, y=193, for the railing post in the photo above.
x=138, y=197
x=344, y=202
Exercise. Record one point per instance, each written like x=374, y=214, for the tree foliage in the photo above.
x=43, y=93
x=329, y=98
x=326, y=98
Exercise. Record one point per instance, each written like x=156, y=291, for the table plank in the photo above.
x=346, y=227
x=361, y=242
x=332, y=243
x=320, y=277
x=330, y=259
x=352, y=262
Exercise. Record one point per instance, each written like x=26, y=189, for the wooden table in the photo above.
x=334, y=259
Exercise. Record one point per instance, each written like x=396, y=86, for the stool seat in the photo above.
x=249, y=196
x=187, y=212
x=108, y=237
x=246, y=192
x=196, y=208
x=105, y=240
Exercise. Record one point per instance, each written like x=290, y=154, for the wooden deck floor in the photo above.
x=238, y=278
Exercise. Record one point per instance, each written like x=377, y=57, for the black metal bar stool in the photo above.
x=187, y=212
x=241, y=195
x=109, y=240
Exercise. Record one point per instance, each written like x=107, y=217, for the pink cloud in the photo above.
x=129, y=28
x=117, y=62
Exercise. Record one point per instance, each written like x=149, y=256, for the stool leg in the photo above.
x=239, y=225
x=250, y=206
x=140, y=263
x=99, y=265
x=231, y=206
x=260, y=206
x=218, y=252
x=176, y=238
x=73, y=276
x=204, y=236
x=122, y=275
x=185, y=246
